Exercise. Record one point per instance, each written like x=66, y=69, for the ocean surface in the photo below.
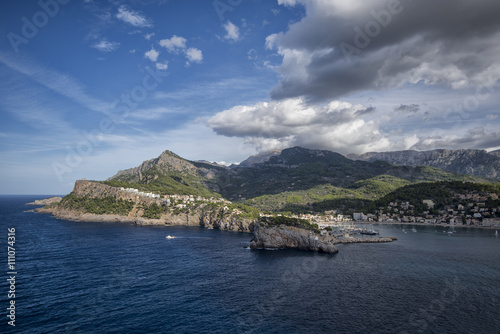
x=74, y=277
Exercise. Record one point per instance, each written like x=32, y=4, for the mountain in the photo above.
x=473, y=162
x=495, y=153
x=170, y=174
x=259, y=158
x=274, y=181
x=299, y=169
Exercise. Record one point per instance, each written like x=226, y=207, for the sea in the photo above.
x=79, y=277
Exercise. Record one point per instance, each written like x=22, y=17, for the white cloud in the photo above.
x=472, y=138
x=55, y=81
x=132, y=17
x=162, y=66
x=194, y=55
x=132, y=51
x=152, y=55
x=148, y=36
x=337, y=126
x=106, y=46
x=232, y=31
x=150, y=114
x=177, y=44
x=174, y=44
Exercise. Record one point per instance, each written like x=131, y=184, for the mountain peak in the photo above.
x=259, y=158
x=298, y=155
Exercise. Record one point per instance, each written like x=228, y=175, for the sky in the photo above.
x=91, y=87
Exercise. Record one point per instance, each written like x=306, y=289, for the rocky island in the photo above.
x=292, y=233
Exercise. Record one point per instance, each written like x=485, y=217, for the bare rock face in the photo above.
x=283, y=237
x=473, y=162
x=46, y=201
x=259, y=158
x=167, y=161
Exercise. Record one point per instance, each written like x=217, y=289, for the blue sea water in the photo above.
x=75, y=277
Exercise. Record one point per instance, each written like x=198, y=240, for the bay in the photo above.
x=77, y=277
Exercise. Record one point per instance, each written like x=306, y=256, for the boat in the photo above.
x=170, y=237
x=414, y=229
x=496, y=233
x=369, y=230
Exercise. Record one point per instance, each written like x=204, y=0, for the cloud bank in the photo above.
x=343, y=47
x=293, y=122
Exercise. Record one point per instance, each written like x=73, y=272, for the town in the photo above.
x=469, y=209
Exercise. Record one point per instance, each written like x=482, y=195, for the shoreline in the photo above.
x=435, y=225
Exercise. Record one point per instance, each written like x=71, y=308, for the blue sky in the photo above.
x=91, y=87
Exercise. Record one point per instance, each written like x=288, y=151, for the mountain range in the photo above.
x=297, y=176
x=473, y=162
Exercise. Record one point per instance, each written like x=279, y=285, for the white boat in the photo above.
x=414, y=229
x=496, y=233
x=170, y=237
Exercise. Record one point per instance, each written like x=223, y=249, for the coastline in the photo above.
x=205, y=220
x=424, y=224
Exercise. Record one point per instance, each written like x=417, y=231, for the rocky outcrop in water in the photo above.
x=289, y=237
x=283, y=237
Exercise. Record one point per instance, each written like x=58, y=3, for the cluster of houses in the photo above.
x=180, y=201
x=327, y=218
x=140, y=193
x=183, y=201
x=472, y=212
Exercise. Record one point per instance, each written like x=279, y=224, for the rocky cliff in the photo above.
x=167, y=161
x=46, y=201
x=473, y=162
x=202, y=213
x=283, y=237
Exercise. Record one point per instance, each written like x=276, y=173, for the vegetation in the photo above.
x=106, y=205
x=167, y=183
x=297, y=170
x=246, y=211
x=326, y=195
x=441, y=193
x=153, y=211
x=288, y=221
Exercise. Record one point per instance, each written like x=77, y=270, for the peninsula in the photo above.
x=294, y=198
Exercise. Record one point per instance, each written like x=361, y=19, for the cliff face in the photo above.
x=200, y=214
x=46, y=201
x=167, y=161
x=473, y=162
x=98, y=190
x=282, y=237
